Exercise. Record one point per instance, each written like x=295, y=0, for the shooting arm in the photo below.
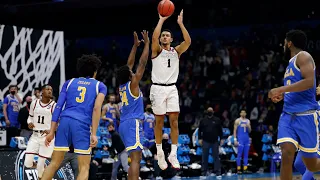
x=306, y=64
x=155, y=46
x=187, y=40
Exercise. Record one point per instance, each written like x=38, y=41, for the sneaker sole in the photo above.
x=176, y=168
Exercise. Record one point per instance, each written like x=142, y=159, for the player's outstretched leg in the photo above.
x=84, y=166
x=173, y=118
x=40, y=166
x=158, y=135
x=134, y=169
x=57, y=158
x=288, y=150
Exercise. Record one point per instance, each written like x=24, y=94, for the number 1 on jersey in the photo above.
x=82, y=94
x=169, y=65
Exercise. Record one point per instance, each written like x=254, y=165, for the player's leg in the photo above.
x=307, y=129
x=158, y=103
x=61, y=143
x=246, y=155
x=130, y=134
x=80, y=133
x=173, y=110
x=239, y=156
x=134, y=168
x=298, y=164
x=32, y=149
x=57, y=158
x=83, y=166
x=288, y=140
x=44, y=153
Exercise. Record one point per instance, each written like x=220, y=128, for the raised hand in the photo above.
x=136, y=39
x=163, y=18
x=180, y=17
x=145, y=35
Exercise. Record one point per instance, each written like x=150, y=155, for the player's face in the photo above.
x=165, y=38
x=286, y=49
x=243, y=114
x=47, y=92
x=112, y=99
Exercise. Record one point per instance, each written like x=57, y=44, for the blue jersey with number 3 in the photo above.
x=132, y=107
x=78, y=95
x=295, y=102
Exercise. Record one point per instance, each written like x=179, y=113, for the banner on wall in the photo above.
x=12, y=167
x=30, y=58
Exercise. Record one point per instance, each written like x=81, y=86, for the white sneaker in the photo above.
x=144, y=169
x=162, y=161
x=174, y=161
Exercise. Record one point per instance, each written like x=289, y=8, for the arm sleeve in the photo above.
x=102, y=88
x=31, y=111
x=60, y=103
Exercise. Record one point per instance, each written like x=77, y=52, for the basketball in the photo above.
x=165, y=8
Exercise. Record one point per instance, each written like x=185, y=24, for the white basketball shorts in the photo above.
x=37, y=146
x=164, y=99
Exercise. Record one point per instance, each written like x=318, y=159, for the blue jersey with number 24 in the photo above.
x=132, y=107
x=78, y=95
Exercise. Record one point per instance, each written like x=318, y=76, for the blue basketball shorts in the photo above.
x=72, y=131
x=130, y=134
x=300, y=130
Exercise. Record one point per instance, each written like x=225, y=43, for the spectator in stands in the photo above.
x=120, y=150
x=11, y=108
x=23, y=117
x=72, y=158
x=36, y=94
x=166, y=146
x=210, y=131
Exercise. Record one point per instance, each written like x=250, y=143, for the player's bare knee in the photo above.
x=288, y=151
x=136, y=156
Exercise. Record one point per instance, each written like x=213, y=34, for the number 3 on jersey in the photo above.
x=82, y=91
x=124, y=99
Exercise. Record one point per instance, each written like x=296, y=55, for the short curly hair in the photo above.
x=87, y=65
x=298, y=38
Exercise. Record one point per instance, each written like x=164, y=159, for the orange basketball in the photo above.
x=165, y=8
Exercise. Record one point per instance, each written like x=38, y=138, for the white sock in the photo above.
x=159, y=148
x=174, y=149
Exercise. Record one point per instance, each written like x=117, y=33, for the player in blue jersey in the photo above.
x=110, y=112
x=82, y=100
x=241, y=131
x=132, y=104
x=148, y=125
x=298, y=124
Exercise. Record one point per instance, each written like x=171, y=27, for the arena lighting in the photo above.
x=57, y=0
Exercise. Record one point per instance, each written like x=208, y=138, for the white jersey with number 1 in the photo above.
x=165, y=67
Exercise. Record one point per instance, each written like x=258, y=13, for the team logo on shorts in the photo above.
x=23, y=173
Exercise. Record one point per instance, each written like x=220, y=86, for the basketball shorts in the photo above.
x=36, y=146
x=130, y=134
x=72, y=131
x=300, y=130
x=164, y=99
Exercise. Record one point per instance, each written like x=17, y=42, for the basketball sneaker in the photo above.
x=162, y=160
x=174, y=161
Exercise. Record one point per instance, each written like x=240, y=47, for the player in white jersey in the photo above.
x=40, y=115
x=163, y=93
